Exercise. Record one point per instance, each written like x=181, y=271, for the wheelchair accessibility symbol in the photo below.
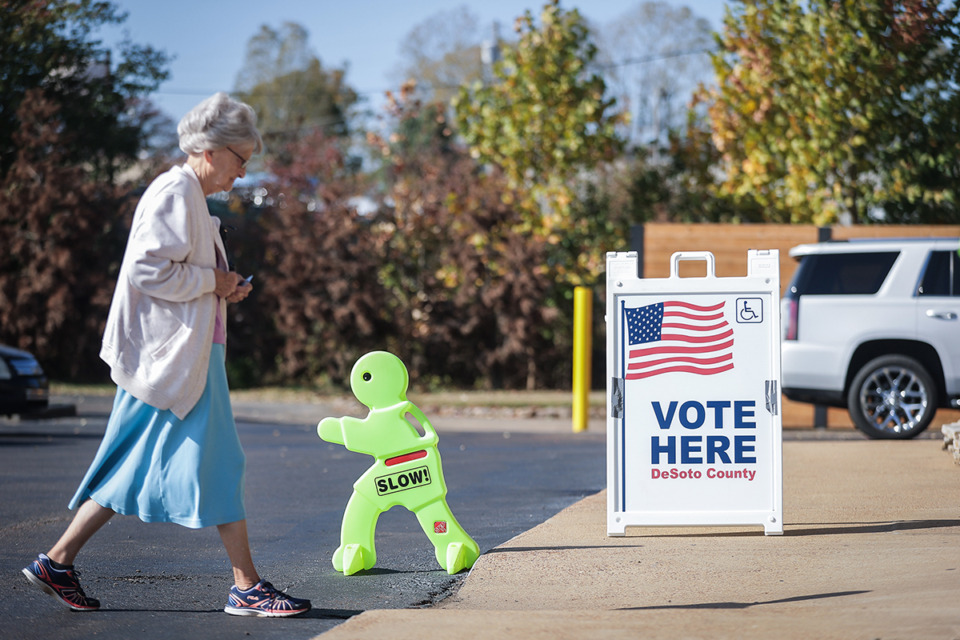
x=749, y=310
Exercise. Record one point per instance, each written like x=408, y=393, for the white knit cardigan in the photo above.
x=161, y=321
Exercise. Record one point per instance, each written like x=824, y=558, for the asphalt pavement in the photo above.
x=869, y=550
x=162, y=581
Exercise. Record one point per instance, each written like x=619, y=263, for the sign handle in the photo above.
x=692, y=255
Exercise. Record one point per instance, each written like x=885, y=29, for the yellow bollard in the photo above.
x=582, y=345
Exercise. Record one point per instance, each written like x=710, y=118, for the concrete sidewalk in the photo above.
x=871, y=549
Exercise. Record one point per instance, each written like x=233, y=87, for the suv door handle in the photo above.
x=941, y=315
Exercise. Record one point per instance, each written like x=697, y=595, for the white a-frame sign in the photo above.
x=693, y=398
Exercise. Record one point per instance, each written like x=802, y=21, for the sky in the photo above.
x=208, y=39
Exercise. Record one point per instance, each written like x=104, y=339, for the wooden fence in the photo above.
x=729, y=244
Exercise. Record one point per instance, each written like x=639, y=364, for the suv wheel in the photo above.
x=892, y=397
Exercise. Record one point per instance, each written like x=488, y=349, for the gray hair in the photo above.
x=218, y=122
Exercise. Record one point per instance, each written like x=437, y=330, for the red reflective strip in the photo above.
x=416, y=455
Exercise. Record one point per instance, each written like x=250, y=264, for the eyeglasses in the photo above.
x=243, y=163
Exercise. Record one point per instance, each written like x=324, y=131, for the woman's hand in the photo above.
x=231, y=286
x=241, y=292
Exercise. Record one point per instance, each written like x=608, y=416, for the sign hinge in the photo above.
x=616, y=397
x=773, y=397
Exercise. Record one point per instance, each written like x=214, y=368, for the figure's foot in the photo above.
x=352, y=559
x=349, y=559
x=456, y=558
x=264, y=601
x=460, y=556
x=62, y=584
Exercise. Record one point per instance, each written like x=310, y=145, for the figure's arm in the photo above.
x=331, y=430
x=353, y=433
x=430, y=436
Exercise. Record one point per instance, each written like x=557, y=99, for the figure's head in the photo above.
x=379, y=379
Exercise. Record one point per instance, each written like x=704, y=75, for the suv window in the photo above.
x=942, y=276
x=842, y=273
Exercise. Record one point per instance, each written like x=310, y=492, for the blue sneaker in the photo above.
x=62, y=584
x=264, y=601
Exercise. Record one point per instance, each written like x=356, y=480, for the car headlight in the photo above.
x=4, y=370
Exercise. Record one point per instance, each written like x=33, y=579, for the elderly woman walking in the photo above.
x=170, y=452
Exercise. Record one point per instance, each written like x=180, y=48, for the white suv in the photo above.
x=874, y=326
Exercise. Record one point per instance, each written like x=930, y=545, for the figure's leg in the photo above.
x=357, y=550
x=455, y=550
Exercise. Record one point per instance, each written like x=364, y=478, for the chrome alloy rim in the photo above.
x=893, y=399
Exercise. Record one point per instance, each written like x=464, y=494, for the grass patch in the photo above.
x=453, y=399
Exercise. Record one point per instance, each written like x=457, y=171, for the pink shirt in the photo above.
x=219, y=329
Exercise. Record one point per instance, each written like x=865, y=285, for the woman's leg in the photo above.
x=88, y=520
x=265, y=600
x=234, y=536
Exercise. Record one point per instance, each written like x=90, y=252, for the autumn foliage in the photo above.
x=454, y=235
x=62, y=244
x=438, y=273
x=834, y=108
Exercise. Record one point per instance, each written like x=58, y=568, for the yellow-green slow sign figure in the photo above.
x=406, y=472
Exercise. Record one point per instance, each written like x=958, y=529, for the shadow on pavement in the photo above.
x=746, y=605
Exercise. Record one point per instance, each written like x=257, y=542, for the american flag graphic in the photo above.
x=676, y=336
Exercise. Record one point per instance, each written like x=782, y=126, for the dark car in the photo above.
x=23, y=385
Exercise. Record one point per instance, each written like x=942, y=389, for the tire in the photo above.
x=892, y=397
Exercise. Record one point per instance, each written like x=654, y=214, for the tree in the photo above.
x=472, y=295
x=290, y=89
x=320, y=301
x=654, y=56
x=441, y=54
x=50, y=46
x=545, y=119
x=674, y=184
x=63, y=240
x=832, y=107
x=71, y=115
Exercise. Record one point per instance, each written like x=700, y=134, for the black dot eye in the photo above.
x=367, y=376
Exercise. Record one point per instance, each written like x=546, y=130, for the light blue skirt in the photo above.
x=159, y=468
